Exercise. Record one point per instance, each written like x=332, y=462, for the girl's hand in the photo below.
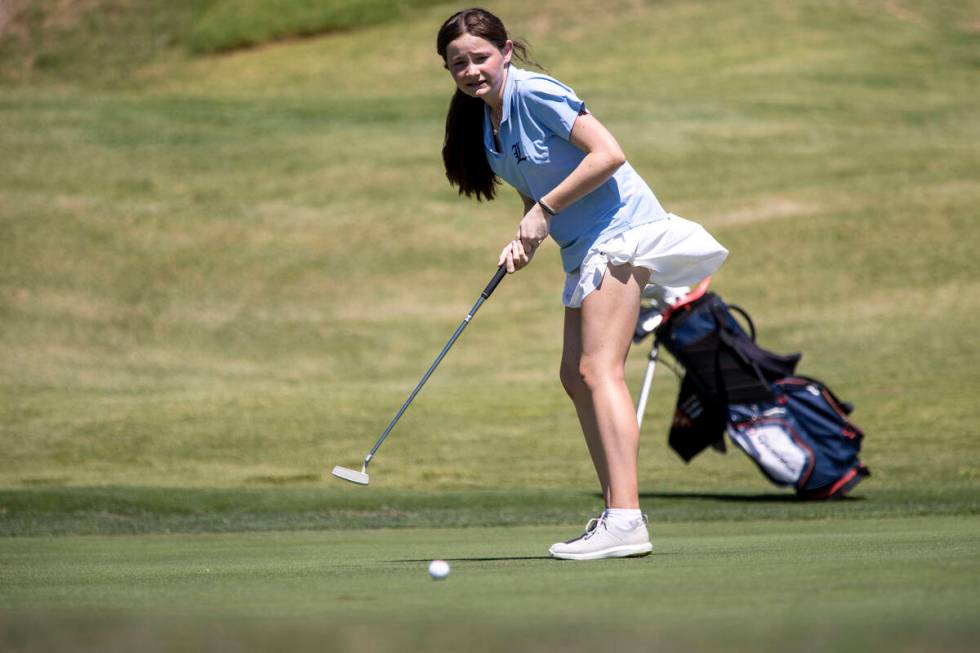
x=531, y=232
x=515, y=256
x=534, y=228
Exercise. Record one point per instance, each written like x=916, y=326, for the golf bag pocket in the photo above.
x=697, y=424
x=804, y=439
x=771, y=441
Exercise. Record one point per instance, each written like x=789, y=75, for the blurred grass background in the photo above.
x=228, y=270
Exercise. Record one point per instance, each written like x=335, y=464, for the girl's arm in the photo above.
x=514, y=254
x=603, y=156
x=528, y=202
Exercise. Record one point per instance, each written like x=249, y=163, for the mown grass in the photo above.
x=842, y=585
x=261, y=506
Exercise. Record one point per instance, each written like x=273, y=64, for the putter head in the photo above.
x=360, y=478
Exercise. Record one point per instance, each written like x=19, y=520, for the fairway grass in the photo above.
x=843, y=585
x=127, y=510
x=224, y=269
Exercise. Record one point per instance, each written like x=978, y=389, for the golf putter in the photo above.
x=361, y=477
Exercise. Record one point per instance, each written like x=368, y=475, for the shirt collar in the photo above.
x=513, y=72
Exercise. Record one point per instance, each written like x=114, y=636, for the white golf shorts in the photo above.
x=677, y=252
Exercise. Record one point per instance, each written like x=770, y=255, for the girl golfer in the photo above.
x=615, y=237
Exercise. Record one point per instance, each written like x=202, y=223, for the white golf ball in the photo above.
x=438, y=569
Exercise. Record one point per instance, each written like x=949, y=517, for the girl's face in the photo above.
x=478, y=67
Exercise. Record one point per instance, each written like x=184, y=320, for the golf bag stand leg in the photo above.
x=641, y=404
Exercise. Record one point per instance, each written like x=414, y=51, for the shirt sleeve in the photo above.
x=552, y=104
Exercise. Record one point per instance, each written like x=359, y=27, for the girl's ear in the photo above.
x=508, y=51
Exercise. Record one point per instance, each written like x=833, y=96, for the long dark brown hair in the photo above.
x=462, y=152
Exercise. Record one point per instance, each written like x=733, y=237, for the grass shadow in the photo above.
x=768, y=497
x=493, y=559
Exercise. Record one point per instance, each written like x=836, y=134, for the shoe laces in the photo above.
x=593, y=526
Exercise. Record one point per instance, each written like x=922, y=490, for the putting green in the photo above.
x=788, y=585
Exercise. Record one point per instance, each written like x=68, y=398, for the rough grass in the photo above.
x=232, y=24
x=99, y=42
x=106, y=42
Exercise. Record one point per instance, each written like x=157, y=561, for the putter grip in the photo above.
x=501, y=272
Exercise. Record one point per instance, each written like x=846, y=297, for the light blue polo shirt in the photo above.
x=538, y=114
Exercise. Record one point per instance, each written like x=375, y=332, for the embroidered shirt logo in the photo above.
x=516, y=148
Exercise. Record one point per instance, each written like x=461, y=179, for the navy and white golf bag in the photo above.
x=793, y=427
x=802, y=438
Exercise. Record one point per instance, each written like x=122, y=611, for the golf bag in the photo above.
x=792, y=427
x=802, y=438
x=723, y=366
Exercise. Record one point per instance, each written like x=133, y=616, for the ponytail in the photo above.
x=462, y=153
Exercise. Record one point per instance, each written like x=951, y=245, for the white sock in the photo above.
x=624, y=517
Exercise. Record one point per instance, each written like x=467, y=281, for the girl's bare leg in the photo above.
x=597, y=339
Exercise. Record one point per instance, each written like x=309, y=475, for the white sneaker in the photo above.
x=603, y=539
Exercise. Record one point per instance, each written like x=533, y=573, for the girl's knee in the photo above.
x=571, y=378
x=597, y=372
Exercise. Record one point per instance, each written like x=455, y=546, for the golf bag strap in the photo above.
x=745, y=315
x=725, y=333
x=767, y=365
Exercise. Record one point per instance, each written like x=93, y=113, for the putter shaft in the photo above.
x=485, y=295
